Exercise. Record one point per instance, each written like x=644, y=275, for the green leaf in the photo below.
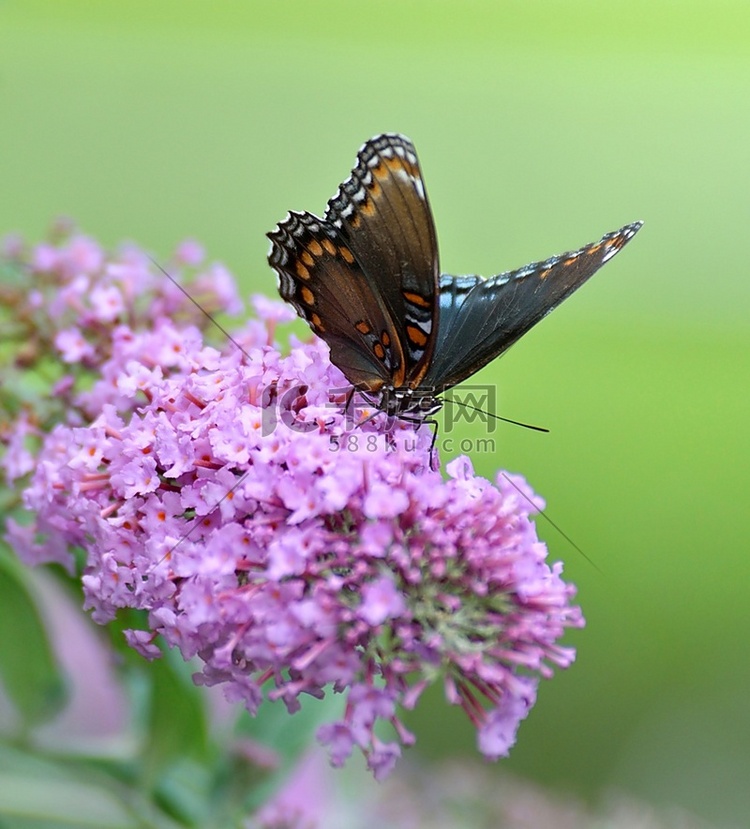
x=39, y=793
x=28, y=669
x=177, y=727
x=66, y=802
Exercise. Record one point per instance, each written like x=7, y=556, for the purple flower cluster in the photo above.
x=232, y=497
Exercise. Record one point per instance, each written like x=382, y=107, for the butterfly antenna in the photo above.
x=551, y=522
x=497, y=417
x=200, y=518
x=200, y=307
x=232, y=340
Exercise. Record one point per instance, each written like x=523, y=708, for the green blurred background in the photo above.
x=540, y=126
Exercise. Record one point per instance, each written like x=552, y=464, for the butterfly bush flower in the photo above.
x=230, y=495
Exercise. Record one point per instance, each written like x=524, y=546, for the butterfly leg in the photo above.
x=348, y=406
x=432, y=422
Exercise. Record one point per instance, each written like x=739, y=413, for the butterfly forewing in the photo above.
x=482, y=318
x=383, y=215
x=320, y=277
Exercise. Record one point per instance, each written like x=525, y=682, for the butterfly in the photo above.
x=366, y=279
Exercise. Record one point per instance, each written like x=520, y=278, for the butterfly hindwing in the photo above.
x=382, y=213
x=482, y=318
x=320, y=277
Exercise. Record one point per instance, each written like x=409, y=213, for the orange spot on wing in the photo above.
x=363, y=327
x=416, y=335
x=381, y=171
x=385, y=339
x=301, y=270
x=346, y=255
x=379, y=351
x=307, y=259
x=330, y=247
x=417, y=299
x=397, y=163
x=315, y=248
x=307, y=296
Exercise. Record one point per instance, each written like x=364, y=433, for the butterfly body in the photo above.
x=366, y=278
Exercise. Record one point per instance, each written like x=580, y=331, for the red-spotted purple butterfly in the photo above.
x=366, y=279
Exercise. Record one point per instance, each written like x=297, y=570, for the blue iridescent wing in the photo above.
x=480, y=318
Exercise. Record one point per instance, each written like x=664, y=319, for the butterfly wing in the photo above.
x=319, y=275
x=382, y=214
x=482, y=318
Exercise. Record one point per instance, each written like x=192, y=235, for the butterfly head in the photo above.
x=412, y=405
